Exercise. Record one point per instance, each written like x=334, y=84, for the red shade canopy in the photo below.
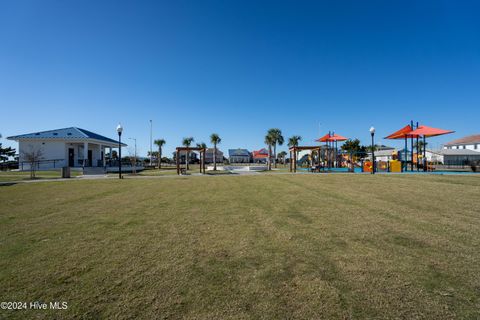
x=337, y=137
x=429, y=131
x=324, y=138
x=401, y=134
x=419, y=132
x=330, y=137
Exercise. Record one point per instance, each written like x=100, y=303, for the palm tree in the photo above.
x=202, y=145
x=419, y=146
x=277, y=137
x=215, y=139
x=293, y=141
x=187, y=142
x=269, y=141
x=159, y=143
x=282, y=156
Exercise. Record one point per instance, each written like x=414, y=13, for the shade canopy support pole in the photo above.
x=424, y=153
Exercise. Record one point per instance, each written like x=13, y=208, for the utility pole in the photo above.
x=150, y=142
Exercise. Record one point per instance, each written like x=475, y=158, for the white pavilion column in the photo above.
x=85, y=153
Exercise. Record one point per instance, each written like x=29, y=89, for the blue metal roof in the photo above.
x=72, y=133
x=238, y=152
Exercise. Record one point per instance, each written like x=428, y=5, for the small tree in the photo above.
x=6, y=153
x=132, y=157
x=32, y=156
x=354, y=148
x=215, y=139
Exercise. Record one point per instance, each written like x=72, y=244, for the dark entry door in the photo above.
x=71, y=157
x=89, y=158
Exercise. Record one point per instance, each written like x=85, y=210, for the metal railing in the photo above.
x=125, y=162
x=47, y=164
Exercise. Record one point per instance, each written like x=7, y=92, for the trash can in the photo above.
x=65, y=172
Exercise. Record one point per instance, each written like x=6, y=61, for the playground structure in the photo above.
x=322, y=158
x=293, y=154
x=416, y=132
x=331, y=140
x=187, y=150
x=330, y=160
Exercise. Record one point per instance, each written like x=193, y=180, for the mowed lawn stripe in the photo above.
x=266, y=246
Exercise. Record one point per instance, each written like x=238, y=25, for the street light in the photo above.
x=119, y=130
x=372, y=133
x=150, y=143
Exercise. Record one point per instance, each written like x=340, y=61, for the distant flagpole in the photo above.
x=150, y=142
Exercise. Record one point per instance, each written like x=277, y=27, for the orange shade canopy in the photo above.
x=337, y=137
x=332, y=137
x=324, y=138
x=421, y=131
x=429, y=131
x=401, y=134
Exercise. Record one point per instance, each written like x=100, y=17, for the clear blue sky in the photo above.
x=238, y=68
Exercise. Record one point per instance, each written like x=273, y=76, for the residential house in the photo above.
x=192, y=155
x=239, y=156
x=260, y=156
x=385, y=155
x=460, y=157
x=466, y=143
x=209, y=155
x=434, y=156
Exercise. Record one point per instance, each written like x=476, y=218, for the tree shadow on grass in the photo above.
x=7, y=184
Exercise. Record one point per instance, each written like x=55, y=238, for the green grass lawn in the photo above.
x=244, y=247
x=7, y=176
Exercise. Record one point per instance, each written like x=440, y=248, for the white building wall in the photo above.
x=56, y=150
x=474, y=147
x=51, y=150
x=434, y=157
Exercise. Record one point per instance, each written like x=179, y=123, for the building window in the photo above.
x=464, y=147
x=476, y=147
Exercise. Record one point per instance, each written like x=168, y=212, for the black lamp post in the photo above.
x=119, y=130
x=372, y=133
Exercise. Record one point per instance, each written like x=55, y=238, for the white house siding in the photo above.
x=51, y=150
x=96, y=153
x=474, y=147
x=434, y=156
x=239, y=159
x=58, y=150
